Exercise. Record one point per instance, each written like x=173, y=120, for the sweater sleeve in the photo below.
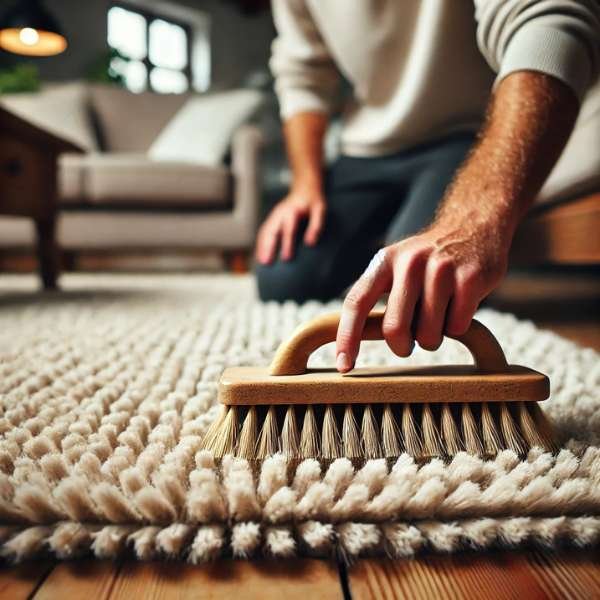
x=306, y=78
x=557, y=37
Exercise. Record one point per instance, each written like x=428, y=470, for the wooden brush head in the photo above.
x=289, y=381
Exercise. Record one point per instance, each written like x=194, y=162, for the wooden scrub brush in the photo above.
x=434, y=411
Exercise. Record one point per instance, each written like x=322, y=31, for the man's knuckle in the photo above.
x=355, y=299
x=470, y=279
x=414, y=260
x=442, y=264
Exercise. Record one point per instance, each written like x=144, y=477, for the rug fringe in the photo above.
x=310, y=538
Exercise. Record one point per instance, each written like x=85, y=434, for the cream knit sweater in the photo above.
x=421, y=69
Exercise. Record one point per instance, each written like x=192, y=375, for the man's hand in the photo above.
x=282, y=224
x=435, y=282
x=304, y=142
x=437, y=278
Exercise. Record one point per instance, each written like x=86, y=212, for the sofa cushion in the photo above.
x=61, y=109
x=134, y=179
x=201, y=131
x=130, y=122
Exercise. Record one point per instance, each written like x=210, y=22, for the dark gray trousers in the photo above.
x=370, y=202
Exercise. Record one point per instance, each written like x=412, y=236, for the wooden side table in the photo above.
x=28, y=183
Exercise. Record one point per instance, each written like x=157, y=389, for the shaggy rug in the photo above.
x=107, y=387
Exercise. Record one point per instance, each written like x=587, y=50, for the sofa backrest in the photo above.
x=130, y=122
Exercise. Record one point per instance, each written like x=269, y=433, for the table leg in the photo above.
x=47, y=251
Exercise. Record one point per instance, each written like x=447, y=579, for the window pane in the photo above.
x=134, y=73
x=166, y=81
x=168, y=45
x=201, y=61
x=127, y=32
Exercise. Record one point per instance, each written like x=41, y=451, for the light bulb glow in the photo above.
x=32, y=42
x=29, y=36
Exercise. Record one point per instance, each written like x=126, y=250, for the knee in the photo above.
x=283, y=281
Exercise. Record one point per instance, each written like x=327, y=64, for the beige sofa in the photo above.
x=115, y=196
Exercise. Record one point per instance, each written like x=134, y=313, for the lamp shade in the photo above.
x=28, y=28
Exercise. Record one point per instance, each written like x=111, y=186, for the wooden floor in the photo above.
x=568, y=306
x=530, y=575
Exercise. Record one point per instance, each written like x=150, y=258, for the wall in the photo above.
x=240, y=43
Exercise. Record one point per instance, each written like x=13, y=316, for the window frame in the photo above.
x=150, y=16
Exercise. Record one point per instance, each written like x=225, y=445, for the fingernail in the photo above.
x=342, y=362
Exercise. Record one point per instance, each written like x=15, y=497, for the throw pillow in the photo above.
x=202, y=129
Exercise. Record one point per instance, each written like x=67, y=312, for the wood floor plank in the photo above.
x=223, y=580
x=20, y=581
x=533, y=575
x=574, y=574
x=79, y=580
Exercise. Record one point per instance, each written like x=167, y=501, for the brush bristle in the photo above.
x=492, y=442
x=225, y=441
x=391, y=442
x=350, y=436
x=424, y=431
x=432, y=443
x=510, y=432
x=412, y=440
x=290, y=436
x=331, y=442
x=544, y=428
x=213, y=431
x=309, y=438
x=470, y=433
x=268, y=443
x=450, y=433
x=246, y=447
x=368, y=431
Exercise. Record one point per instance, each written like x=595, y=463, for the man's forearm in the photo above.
x=529, y=122
x=304, y=134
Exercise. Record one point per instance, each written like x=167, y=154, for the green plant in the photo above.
x=102, y=69
x=20, y=78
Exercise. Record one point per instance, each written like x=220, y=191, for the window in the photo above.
x=155, y=49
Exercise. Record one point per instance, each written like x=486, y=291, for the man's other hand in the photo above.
x=282, y=224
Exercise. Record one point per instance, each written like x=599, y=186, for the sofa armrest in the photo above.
x=245, y=150
x=246, y=170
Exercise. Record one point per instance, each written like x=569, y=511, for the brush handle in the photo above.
x=292, y=355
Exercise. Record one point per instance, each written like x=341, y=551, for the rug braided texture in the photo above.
x=107, y=387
